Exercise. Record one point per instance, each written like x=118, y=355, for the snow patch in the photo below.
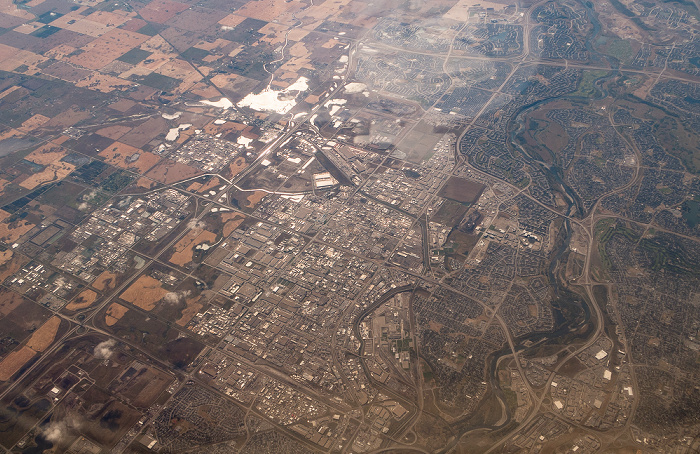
x=279, y=101
x=174, y=116
x=302, y=84
x=335, y=109
x=223, y=103
x=242, y=140
x=174, y=133
x=339, y=102
x=294, y=198
x=355, y=87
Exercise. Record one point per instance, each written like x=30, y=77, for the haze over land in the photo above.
x=349, y=226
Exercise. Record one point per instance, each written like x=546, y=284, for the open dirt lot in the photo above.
x=105, y=281
x=12, y=231
x=169, y=172
x=144, y=293
x=462, y=190
x=184, y=249
x=45, y=335
x=85, y=299
x=128, y=157
x=114, y=313
x=14, y=362
x=53, y=172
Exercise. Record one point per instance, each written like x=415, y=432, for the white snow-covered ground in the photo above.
x=355, y=87
x=279, y=101
x=223, y=103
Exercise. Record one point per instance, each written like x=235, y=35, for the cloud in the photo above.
x=57, y=431
x=54, y=431
x=103, y=350
x=175, y=297
x=171, y=298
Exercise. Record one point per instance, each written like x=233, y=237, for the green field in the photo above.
x=586, y=88
x=620, y=49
